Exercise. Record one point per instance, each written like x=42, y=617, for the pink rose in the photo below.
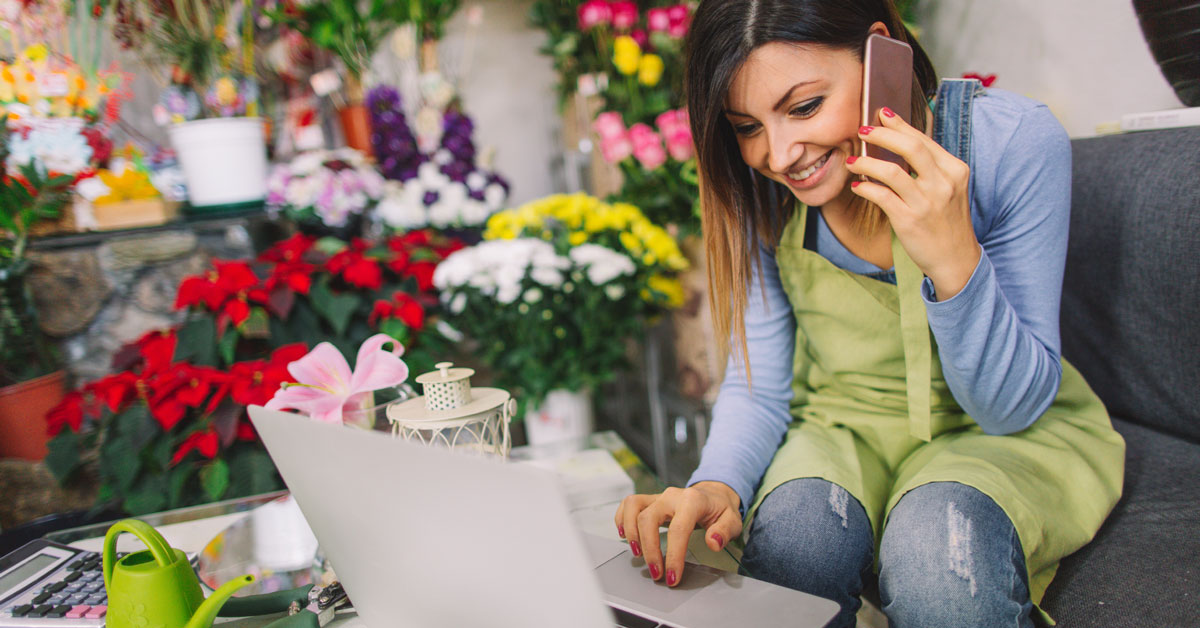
x=624, y=14
x=679, y=144
x=679, y=20
x=609, y=125
x=668, y=121
x=650, y=153
x=616, y=149
x=658, y=21
x=641, y=134
x=594, y=13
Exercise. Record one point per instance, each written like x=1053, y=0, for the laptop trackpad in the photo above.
x=628, y=579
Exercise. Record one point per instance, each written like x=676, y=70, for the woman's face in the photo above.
x=794, y=109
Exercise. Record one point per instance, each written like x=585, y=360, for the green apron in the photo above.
x=874, y=415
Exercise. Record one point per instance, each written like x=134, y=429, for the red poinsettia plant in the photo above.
x=169, y=427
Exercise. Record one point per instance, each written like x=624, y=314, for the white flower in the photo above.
x=532, y=295
x=474, y=213
x=602, y=263
x=614, y=291
x=306, y=163
x=494, y=196
x=442, y=157
x=401, y=207
x=91, y=188
x=458, y=304
x=476, y=181
x=431, y=176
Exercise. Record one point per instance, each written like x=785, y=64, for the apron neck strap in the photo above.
x=914, y=331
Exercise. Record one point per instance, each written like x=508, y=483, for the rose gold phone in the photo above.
x=887, y=82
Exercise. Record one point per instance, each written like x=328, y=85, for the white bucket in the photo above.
x=224, y=160
x=564, y=415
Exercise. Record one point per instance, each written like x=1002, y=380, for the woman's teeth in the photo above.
x=807, y=172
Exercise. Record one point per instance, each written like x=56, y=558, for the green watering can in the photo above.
x=157, y=586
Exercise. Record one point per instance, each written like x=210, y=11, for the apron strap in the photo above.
x=952, y=130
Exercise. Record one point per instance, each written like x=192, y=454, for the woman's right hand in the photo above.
x=710, y=505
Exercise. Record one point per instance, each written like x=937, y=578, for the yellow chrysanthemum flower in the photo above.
x=576, y=238
x=671, y=290
x=627, y=55
x=129, y=185
x=650, y=70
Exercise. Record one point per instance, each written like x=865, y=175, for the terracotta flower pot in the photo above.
x=356, y=126
x=23, y=408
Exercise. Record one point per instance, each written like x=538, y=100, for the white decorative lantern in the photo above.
x=453, y=415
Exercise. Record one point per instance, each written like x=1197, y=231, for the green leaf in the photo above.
x=335, y=308
x=119, y=461
x=214, y=477
x=63, y=457
x=257, y=326
x=197, y=342
x=149, y=496
x=228, y=345
x=252, y=472
x=177, y=482
x=136, y=426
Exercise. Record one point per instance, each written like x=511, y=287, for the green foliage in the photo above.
x=351, y=29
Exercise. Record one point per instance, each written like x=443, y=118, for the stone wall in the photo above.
x=93, y=297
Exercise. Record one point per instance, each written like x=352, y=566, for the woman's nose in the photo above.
x=781, y=151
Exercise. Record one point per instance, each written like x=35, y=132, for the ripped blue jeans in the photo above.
x=949, y=555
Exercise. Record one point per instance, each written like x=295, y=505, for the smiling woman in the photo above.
x=966, y=473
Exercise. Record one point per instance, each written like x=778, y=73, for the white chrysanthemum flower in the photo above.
x=458, y=304
x=476, y=180
x=431, y=177
x=474, y=213
x=442, y=157
x=602, y=263
x=532, y=295
x=494, y=196
x=614, y=291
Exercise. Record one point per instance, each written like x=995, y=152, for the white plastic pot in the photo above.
x=224, y=160
x=564, y=415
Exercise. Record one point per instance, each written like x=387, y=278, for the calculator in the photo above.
x=45, y=584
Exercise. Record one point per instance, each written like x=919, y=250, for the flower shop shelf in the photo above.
x=184, y=221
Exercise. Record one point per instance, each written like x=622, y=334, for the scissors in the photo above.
x=308, y=606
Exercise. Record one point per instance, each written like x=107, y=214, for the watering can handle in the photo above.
x=142, y=530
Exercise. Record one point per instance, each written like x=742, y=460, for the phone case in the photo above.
x=887, y=82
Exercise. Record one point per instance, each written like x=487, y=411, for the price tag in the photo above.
x=326, y=82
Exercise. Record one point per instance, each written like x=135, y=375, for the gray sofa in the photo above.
x=1131, y=325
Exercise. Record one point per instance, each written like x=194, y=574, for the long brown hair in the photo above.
x=741, y=209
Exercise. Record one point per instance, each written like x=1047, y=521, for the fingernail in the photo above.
x=865, y=130
x=720, y=541
x=851, y=159
x=887, y=113
x=621, y=531
x=854, y=184
x=637, y=550
x=654, y=571
x=670, y=577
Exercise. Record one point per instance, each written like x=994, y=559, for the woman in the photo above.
x=845, y=440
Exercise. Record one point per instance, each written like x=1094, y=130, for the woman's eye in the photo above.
x=745, y=129
x=806, y=108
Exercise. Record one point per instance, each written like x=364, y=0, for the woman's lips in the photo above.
x=814, y=179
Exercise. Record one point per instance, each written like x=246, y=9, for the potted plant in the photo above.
x=30, y=380
x=325, y=192
x=169, y=428
x=352, y=31
x=203, y=50
x=552, y=294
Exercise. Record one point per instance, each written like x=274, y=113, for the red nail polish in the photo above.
x=654, y=571
x=720, y=541
x=854, y=184
x=887, y=113
x=670, y=577
x=865, y=130
x=851, y=159
x=637, y=550
x=621, y=531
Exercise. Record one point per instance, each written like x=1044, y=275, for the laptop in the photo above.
x=425, y=537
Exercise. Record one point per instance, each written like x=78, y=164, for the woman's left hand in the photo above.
x=929, y=209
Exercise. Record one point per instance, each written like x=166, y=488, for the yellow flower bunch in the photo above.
x=50, y=89
x=585, y=219
x=130, y=184
x=650, y=70
x=627, y=55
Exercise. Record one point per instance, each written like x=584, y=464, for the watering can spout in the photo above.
x=204, y=616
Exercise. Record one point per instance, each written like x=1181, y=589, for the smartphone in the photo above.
x=887, y=82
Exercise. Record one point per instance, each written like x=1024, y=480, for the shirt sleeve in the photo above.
x=998, y=338
x=749, y=422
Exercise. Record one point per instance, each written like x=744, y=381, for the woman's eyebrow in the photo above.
x=779, y=105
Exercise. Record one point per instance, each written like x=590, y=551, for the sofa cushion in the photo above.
x=1131, y=294
x=1142, y=568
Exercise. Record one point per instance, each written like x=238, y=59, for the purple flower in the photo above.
x=430, y=198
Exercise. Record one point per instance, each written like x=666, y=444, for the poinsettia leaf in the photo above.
x=335, y=308
x=63, y=456
x=214, y=477
x=258, y=325
x=120, y=463
x=136, y=425
x=150, y=495
x=177, y=482
x=196, y=342
x=281, y=301
x=224, y=421
x=252, y=472
x=228, y=345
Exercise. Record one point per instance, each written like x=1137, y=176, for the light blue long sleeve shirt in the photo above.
x=998, y=338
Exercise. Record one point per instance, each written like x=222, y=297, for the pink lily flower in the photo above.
x=327, y=388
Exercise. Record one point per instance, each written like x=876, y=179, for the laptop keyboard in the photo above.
x=626, y=619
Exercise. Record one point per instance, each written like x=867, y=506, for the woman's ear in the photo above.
x=879, y=28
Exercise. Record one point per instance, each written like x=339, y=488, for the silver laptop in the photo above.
x=425, y=537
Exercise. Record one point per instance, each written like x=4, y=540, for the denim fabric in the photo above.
x=949, y=555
